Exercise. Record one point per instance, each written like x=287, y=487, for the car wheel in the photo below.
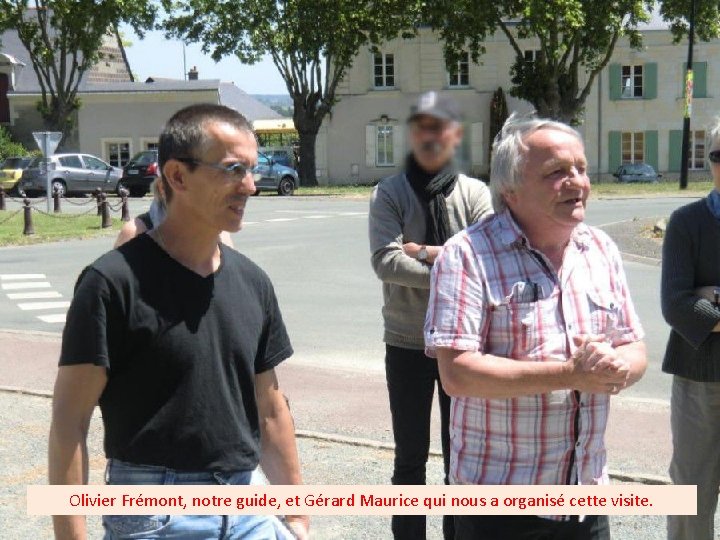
x=59, y=186
x=119, y=187
x=138, y=192
x=286, y=186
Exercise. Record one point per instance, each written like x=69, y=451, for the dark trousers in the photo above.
x=411, y=379
x=530, y=528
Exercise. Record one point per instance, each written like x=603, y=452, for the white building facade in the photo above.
x=633, y=113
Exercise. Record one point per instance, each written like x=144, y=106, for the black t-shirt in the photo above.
x=182, y=352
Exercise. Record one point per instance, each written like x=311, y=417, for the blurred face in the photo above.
x=216, y=197
x=433, y=141
x=553, y=194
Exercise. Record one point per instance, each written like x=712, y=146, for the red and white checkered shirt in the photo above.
x=490, y=292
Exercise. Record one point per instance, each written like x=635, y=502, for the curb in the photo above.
x=651, y=261
x=630, y=477
x=41, y=333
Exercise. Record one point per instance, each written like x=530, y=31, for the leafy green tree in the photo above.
x=575, y=40
x=8, y=147
x=311, y=42
x=677, y=14
x=63, y=38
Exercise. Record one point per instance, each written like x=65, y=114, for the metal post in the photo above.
x=685, y=155
x=28, y=228
x=125, y=208
x=98, y=198
x=105, y=212
x=48, y=192
x=56, y=201
x=2, y=198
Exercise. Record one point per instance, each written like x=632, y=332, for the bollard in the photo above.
x=28, y=229
x=125, y=208
x=56, y=201
x=105, y=212
x=98, y=198
x=2, y=198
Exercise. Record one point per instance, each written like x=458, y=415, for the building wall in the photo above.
x=346, y=143
x=135, y=118
x=25, y=119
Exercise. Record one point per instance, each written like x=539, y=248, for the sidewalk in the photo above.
x=343, y=424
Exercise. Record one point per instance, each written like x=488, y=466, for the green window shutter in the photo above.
x=614, y=81
x=650, y=80
x=614, y=151
x=699, y=79
x=651, y=148
x=674, y=154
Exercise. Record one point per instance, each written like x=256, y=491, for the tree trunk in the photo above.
x=306, y=165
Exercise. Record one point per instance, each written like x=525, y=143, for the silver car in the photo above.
x=70, y=173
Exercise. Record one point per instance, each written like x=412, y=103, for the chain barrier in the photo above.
x=62, y=216
x=8, y=218
x=90, y=200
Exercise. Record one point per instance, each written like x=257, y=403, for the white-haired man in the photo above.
x=534, y=329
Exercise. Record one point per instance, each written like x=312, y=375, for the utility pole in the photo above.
x=685, y=156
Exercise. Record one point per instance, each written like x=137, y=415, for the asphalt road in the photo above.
x=316, y=252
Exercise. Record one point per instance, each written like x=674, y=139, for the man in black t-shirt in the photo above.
x=176, y=336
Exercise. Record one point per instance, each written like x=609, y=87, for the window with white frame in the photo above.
x=384, y=151
x=531, y=55
x=633, y=146
x=696, y=159
x=631, y=80
x=459, y=72
x=151, y=145
x=117, y=152
x=384, y=70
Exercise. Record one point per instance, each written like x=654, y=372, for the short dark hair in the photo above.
x=185, y=136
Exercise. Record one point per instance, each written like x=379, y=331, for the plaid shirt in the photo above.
x=490, y=292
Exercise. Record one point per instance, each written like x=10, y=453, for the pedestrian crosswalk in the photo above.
x=43, y=304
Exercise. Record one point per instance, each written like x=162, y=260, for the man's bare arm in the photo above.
x=278, y=456
x=473, y=374
x=77, y=390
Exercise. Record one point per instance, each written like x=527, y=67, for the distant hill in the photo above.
x=280, y=103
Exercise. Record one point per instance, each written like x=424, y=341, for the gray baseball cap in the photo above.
x=436, y=105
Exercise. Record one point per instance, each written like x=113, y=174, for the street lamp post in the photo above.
x=685, y=156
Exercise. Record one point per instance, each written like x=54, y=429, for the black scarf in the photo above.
x=432, y=188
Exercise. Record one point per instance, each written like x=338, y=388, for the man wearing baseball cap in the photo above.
x=412, y=214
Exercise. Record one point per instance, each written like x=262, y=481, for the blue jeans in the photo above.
x=181, y=526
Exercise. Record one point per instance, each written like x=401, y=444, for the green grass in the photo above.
x=664, y=188
x=53, y=228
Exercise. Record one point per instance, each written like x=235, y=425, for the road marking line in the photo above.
x=316, y=217
x=25, y=285
x=33, y=295
x=34, y=306
x=281, y=219
x=250, y=222
x=353, y=213
x=10, y=277
x=56, y=318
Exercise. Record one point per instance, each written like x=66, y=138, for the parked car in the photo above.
x=636, y=172
x=70, y=173
x=140, y=172
x=11, y=170
x=271, y=176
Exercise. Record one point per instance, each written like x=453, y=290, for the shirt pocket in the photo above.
x=605, y=309
x=520, y=329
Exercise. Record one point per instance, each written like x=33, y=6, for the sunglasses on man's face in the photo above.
x=236, y=170
x=714, y=156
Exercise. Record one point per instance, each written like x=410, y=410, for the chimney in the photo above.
x=193, y=74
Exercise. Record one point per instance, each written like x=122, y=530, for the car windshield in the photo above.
x=35, y=163
x=144, y=158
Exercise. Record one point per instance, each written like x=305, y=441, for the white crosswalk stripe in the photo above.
x=35, y=306
x=28, y=291
x=12, y=277
x=33, y=295
x=25, y=285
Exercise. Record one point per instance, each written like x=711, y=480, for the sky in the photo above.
x=160, y=57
